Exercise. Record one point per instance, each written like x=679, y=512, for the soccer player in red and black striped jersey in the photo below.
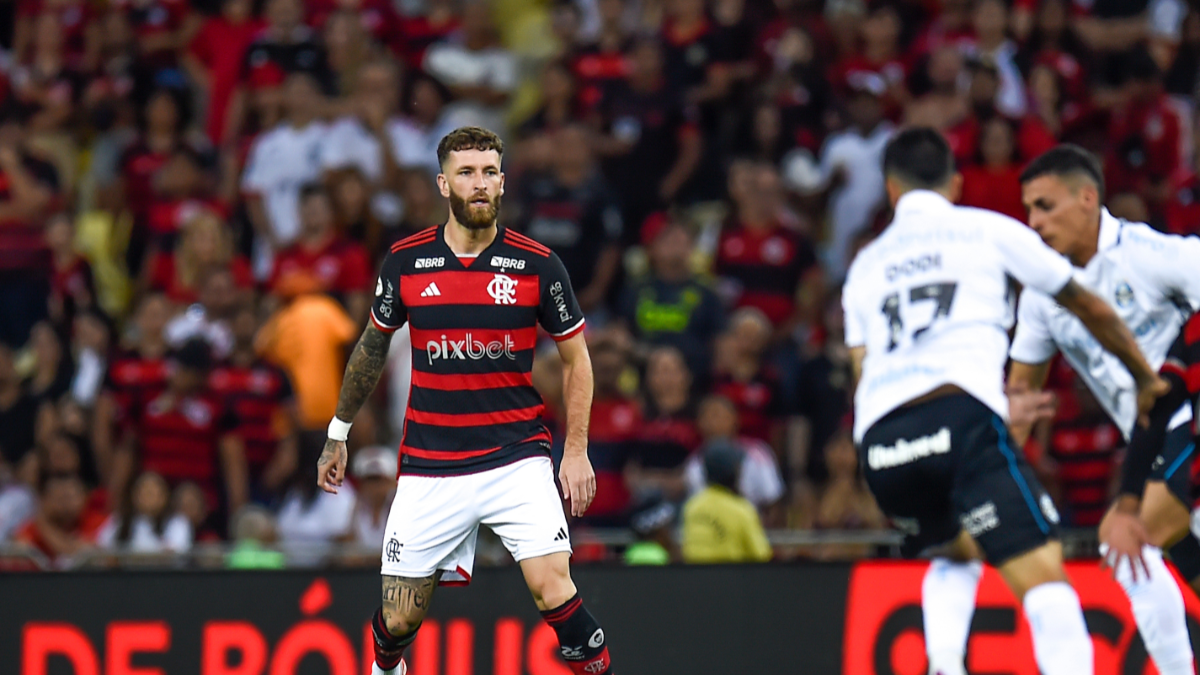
x=474, y=450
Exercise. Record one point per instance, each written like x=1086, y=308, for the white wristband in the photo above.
x=338, y=430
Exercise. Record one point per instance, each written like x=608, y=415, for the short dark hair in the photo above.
x=920, y=157
x=1066, y=161
x=468, y=138
x=314, y=189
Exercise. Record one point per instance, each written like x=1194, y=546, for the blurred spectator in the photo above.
x=718, y=525
x=851, y=163
x=18, y=503
x=322, y=259
x=137, y=372
x=1055, y=44
x=76, y=22
x=307, y=337
x=762, y=263
x=479, y=71
x=614, y=424
x=52, y=367
x=881, y=58
x=371, y=136
x=18, y=412
x=285, y=46
x=422, y=29
x=64, y=447
x=44, y=85
x=73, y=285
x=668, y=433
x=253, y=540
x=28, y=186
x=184, y=434
x=426, y=104
x=601, y=62
x=1183, y=211
x=649, y=138
x=92, y=349
x=423, y=207
x=759, y=480
x=672, y=307
x=63, y=527
x=282, y=161
x=842, y=502
x=823, y=390
x=190, y=501
x=993, y=182
x=1144, y=136
x=742, y=375
x=937, y=84
x=205, y=247
x=572, y=211
x=311, y=520
x=263, y=406
x=214, y=60
x=146, y=523
x=210, y=316
x=652, y=522
x=990, y=21
x=348, y=45
x=163, y=28
x=1030, y=135
x=183, y=190
x=375, y=471
x=162, y=124
x=356, y=214
x=559, y=101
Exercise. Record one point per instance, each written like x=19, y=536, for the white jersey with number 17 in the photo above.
x=932, y=300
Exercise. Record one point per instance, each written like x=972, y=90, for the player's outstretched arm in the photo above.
x=362, y=374
x=1112, y=334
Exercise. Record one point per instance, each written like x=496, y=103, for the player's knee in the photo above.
x=551, y=589
x=1164, y=516
x=398, y=624
x=1028, y=570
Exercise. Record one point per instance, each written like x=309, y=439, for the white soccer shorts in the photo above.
x=435, y=520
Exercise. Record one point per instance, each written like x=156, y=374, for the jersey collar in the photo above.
x=917, y=201
x=1110, y=230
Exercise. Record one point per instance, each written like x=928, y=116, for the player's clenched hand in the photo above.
x=578, y=481
x=331, y=467
x=1149, y=392
x=1122, y=537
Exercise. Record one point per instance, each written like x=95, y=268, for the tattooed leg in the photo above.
x=395, y=623
x=405, y=602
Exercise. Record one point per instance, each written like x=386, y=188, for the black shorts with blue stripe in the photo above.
x=1174, y=465
x=946, y=465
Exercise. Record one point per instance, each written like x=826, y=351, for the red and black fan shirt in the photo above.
x=258, y=396
x=179, y=438
x=473, y=325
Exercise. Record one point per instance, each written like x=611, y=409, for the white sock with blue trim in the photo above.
x=1158, y=611
x=1061, y=643
x=947, y=606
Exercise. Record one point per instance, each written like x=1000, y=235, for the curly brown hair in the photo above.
x=468, y=138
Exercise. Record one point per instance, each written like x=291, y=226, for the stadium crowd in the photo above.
x=195, y=198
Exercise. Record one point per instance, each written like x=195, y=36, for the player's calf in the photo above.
x=1061, y=643
x=395, y=624
x=580, y=638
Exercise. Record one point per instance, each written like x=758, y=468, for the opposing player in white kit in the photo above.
x=1151, y=280
x=928, y=305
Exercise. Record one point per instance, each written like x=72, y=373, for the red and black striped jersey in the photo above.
x=1182, y=367
x=258, y=395
x=473, y=324
x=179, y=438
x=131, y=378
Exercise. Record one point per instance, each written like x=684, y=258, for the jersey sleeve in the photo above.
x=1033, y=343
x=1027, y=258
x=855, y=329
x=558, y=311
x=387, y=311
x=1168, y=262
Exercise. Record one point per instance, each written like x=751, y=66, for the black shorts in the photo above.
x=1176, y=465
x=946, y=465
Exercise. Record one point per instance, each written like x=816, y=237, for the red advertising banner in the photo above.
x=884, y=633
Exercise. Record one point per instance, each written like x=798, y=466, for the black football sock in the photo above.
x=581, y=639
x=389, y=648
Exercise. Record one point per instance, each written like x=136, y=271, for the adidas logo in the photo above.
x=562, y=535
x=430, y=291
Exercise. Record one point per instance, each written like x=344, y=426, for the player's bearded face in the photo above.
x=477, y=212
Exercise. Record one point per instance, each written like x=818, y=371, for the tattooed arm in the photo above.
x=362, y=374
